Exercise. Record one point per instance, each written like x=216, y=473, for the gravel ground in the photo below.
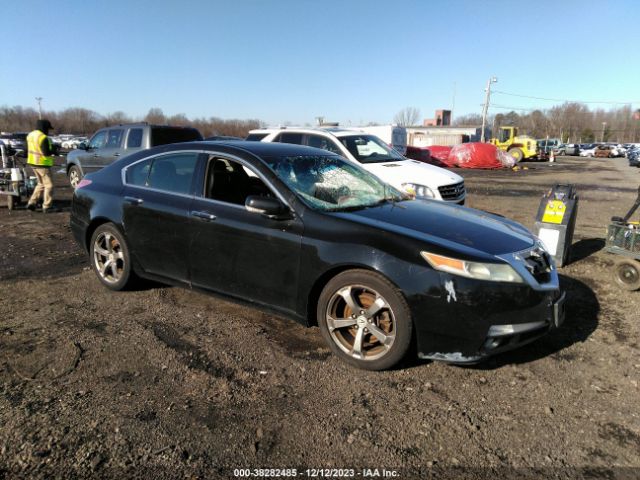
x=168, y=383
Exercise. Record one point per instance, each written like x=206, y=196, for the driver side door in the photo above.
x=236, y=251
x=91, y=157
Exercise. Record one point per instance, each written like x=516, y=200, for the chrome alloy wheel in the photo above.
x=74, y=178
x=108, y=257
x=361, y=322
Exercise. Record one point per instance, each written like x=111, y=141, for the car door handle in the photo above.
x=117, y=154
x=204, y=215
x=95, y=155
x=133, y=200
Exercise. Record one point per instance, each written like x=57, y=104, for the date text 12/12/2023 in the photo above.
x=316, y=473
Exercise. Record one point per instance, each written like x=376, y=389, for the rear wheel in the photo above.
x=75, y=175
x=365, y=320
x=626, y=273
x=517, y=154
x=109, y=256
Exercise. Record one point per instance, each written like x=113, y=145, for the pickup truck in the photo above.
x=111, y=143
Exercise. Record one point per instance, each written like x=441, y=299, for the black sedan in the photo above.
x=309, y=235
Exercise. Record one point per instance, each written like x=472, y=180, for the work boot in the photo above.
x=31, y=207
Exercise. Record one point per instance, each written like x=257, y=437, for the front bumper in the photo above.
x=467, y=320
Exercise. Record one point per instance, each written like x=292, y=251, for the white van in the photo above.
x=373, y=154
x=392, y=135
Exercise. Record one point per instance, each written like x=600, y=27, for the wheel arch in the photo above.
x=325, y=278
x=93, y=225
x=74, y=164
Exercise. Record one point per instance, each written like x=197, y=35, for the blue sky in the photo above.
x=353, y=61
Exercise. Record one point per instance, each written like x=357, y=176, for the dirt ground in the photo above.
x=168, y=383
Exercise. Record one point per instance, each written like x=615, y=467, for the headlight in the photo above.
x=417, y=190
x=495, y=272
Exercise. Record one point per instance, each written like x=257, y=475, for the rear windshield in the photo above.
x=166, y=135
x=256, y=137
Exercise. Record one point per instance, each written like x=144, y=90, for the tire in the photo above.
x=626, y=273
x=75, y=175
x=516, y=153
x=371, y=341
x=109, y=257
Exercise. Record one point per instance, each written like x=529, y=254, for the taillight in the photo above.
x=83, y=183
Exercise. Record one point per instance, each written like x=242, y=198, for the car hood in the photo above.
x=466, y=230
x=414, y=171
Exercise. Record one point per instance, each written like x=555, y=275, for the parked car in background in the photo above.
x=633, y=155
x=567, y=149
x=373, y=154
x=107, y=144
x=393, y=135
x=587, y=149
x=546, y=145
x=18, y=142
x=317, y=238
x=604, y=151
x=73, y=142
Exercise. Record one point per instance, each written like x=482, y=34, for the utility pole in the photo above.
x=604, y=125
x=486, y=106
x=453, y=104
x=39, y=100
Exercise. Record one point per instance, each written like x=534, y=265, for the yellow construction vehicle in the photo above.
x=518, y=146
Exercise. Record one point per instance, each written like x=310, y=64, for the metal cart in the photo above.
x=623, y=239
x=15, y=182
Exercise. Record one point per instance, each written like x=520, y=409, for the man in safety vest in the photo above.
x=40, y=158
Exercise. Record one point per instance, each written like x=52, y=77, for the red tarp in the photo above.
x=465, y=155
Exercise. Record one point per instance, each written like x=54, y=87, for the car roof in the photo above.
x=335, y=131
x=263, y=148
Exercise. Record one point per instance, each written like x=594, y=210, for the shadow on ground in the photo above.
x=582, y=308
x=585, y=248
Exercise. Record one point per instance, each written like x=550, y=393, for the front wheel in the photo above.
x=110, y=257
x=626, y=274
x=517, y=154
x=365, y=320
x=75, y=175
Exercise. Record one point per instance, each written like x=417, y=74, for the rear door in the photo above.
x=158, y=193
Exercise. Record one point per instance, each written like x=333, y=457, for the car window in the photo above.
x=167, y=135
x=172, y=172
x=330, y=183
x=369, y=149
x=134, y=140
x=114, y=138
x=289, y=137
x=138, y=172
x=318, y=141
x=255, y=137
x=98, y=140
x=232, y=182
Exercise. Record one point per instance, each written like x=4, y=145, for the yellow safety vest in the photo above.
x=36, y=157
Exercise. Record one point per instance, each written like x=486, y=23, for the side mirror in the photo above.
x=267, y=206
x=83, y=146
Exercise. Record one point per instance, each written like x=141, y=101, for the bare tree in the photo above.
x=471, y=120
x=407, y=117
x=155, y=115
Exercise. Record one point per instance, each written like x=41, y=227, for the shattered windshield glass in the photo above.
x=329, y=183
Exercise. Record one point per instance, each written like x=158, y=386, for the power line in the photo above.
x=514, y=108
x=562, y=99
